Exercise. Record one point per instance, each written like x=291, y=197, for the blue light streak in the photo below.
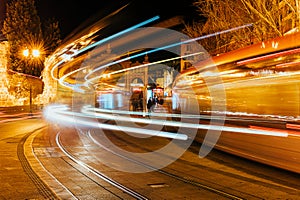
x=166, y=47
x=118, y=34
x=103, y=41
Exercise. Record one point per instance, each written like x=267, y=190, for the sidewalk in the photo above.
x=14, y=181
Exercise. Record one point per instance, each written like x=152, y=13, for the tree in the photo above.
x=269, y=19
x=22, y=28
x=51, y=35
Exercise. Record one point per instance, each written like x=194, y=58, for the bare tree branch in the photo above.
x=270, y=18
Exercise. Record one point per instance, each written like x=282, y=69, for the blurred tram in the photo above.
x=259, y=87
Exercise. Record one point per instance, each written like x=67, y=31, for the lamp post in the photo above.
x=34, y=53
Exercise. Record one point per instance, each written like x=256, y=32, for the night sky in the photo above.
x=71, y=14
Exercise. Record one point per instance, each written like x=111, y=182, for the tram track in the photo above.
x=188, y=181
x=52, y=183
x=208, y=185
x=131, y=192
x=209, y=188
x=97, y=173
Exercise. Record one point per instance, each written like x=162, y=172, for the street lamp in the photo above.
x=26, y=52
x=34, y=53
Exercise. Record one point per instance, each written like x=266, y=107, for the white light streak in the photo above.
x=64, y=117
x=73, y=118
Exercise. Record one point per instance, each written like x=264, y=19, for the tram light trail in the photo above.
x=61, y=112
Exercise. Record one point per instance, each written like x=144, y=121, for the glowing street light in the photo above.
x=35, y=53
x=26, y=52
